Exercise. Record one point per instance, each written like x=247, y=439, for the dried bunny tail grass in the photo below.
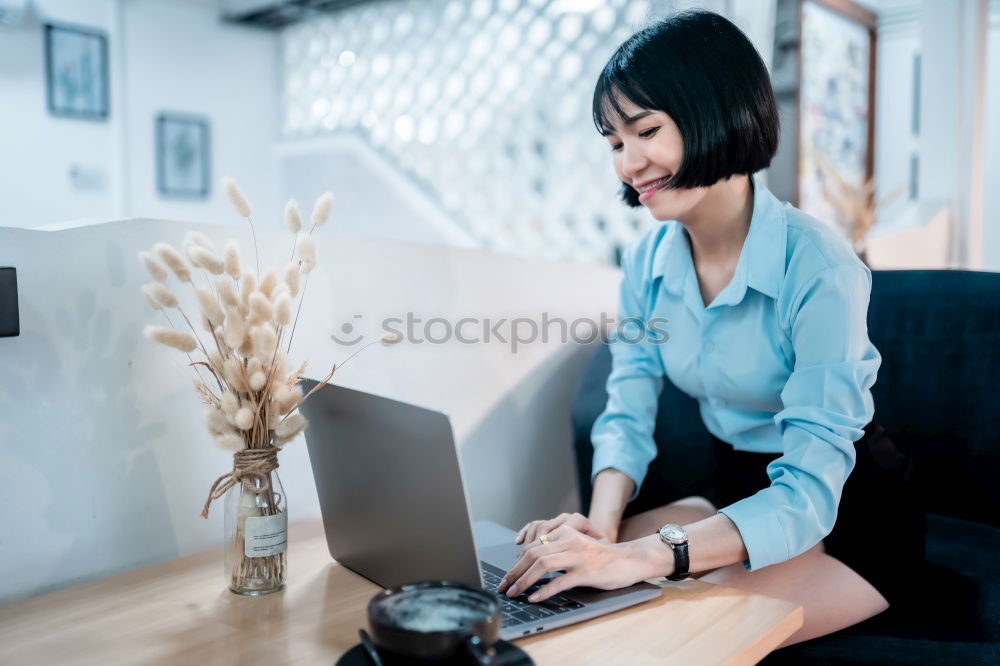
x=390, y=339
x=236, y=197
x=198, y=238
x=260, y=307
x=226, y=292
x=248, y=285
x=153, y=303
x=292, y=279
x=246, y=348
x=293, y=219
x=174, y=261
x=281, y=290
x=207, y=324
x=205, y=259
x=210, y=307
x=233, y=373
x=217, y=422
x=257, y=380
x=283, y=310
x=188, y=247
x=297, y=375
x=153, y=267
x=229, y=403
x=244, y=418
x=254, y=365
x=273, y=419
x=220, y=340
x=159, y=292
x=269, y=282
x=206, y=395
x=264, y=340
x=231, y=260
x=307, y=253
x=166, y=336
x=321, y=211
x=230, y=442
x=290, y=398
x=290, y=428
x=215, y=360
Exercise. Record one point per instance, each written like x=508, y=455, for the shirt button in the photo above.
x=709, y=347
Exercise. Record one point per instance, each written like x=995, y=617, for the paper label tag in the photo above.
x=265, y=535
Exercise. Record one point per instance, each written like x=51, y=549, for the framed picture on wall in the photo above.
x=183, y=159
x=76, y=72
x=836, y=103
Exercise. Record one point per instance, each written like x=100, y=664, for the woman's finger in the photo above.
x=558, y=521
x=523, y=561
x=555, y=586
x=524, y=531
x=533, y=531
x=545, y=563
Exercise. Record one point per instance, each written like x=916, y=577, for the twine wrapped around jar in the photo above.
x=247, y=464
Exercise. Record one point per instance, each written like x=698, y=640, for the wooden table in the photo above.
x=180, y=612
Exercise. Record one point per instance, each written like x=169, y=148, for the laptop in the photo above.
x=395, y=509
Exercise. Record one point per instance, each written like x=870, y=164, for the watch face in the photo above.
x=673, y=533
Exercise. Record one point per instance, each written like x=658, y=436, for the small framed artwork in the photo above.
x=76, y=67
x=183, y=161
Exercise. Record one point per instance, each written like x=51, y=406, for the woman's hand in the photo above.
x=577, y=521
x=586, y=561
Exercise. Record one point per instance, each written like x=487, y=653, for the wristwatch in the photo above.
x=676, y=537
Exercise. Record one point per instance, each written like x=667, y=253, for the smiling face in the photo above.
x=648, y=146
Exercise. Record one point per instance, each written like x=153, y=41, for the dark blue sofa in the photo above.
x=937, y=396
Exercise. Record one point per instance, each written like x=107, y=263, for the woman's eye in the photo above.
x=644, y=134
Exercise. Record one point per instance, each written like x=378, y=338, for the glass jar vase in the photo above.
x=256, y=535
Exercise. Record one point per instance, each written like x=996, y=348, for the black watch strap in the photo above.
x=681, y=562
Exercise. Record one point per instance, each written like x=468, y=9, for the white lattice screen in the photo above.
x=484, y=103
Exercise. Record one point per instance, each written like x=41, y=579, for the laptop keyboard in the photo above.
x=519, y=610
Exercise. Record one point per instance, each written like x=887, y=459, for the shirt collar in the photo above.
x=761, y=265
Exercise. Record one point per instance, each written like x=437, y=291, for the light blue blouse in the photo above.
x=780, y=362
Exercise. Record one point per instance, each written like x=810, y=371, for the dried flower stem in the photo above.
x=256, y=253
x=302, y=296
x=192, y=361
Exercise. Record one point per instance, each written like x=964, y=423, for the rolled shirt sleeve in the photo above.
x=826, y=404
x=623, y=434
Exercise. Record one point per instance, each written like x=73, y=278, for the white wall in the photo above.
x=894, y=139
x=991, y=205
x=105, y=462
x=165, y=55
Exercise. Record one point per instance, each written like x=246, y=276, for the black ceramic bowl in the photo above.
x=436, y=621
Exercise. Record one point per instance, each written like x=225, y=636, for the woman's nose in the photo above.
x=633, y=161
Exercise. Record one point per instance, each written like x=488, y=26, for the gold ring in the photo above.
x=544, y=539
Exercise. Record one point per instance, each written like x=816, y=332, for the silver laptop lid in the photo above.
x=390, y=487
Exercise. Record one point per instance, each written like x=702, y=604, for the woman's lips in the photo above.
x=645, y=196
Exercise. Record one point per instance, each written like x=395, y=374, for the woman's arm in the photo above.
x=826, y=402
x=612, y=489
x=713, y=542
x=623, y=433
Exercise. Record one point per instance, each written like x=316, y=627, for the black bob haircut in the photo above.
x=704, y=73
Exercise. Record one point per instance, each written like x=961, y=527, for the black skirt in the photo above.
x=880, y=528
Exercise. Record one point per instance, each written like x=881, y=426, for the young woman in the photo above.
x=767, y=313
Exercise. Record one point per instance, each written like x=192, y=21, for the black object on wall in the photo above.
x=9, y=321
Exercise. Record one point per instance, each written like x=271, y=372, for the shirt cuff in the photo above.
x=761, y=531
x=606, y=457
